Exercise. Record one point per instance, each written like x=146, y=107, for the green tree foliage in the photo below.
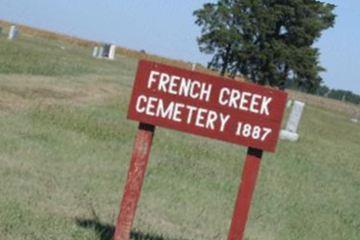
x=339, y=94
x=267, y=41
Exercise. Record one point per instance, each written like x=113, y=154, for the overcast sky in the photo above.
x=166, y=27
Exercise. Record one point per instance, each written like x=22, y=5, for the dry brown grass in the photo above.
x=20, y=92
x=326, y=103
x=49, y=35
x=88, y=43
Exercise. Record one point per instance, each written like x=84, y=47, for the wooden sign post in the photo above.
x=134, y=181
x=205, y=105
x=243, y=201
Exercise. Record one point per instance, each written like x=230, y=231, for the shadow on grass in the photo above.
x=106, y=231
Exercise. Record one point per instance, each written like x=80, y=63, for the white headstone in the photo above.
x=290, y=133
x=354, y=120
x=13, y=33
x=289, y=103
x=193, y=67
x=95, y=52
x=101, y=52
x=356, y=117
x=286, y=135
x=112, y=52
x=295, y=116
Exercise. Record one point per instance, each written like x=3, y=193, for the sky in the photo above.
x=167, y=28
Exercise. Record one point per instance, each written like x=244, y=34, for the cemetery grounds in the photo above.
x=65, y=145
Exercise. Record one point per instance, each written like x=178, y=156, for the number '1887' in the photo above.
x=249, y=131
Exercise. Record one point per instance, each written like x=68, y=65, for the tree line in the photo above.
x=270, y=42
x=339, y=94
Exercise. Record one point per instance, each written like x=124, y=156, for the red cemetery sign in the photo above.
x=205, y=105
x=209, y=106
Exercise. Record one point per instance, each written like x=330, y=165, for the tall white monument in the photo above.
x=95, y=52
x=193, y=67
x=112, y=51
x=13, y=33
x=290, y=132
x=101, y=52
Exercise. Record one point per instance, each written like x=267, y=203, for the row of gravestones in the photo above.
x=13, y=32
x=105, y=51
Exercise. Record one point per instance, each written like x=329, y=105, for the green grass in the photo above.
x=49, y=58
x=66, y=143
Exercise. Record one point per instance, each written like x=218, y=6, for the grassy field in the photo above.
x=65, y=145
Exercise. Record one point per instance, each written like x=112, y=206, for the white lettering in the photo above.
x=152, y=78
x=224, y=91
x=180, y=86
x=173, y=84
x=265, y=105
x=244, y=100
x=177, y=112
x=193, y=93
x=191, y=109
x=151, y=106
x=164, y=112
x=205, y=92
x=254, y=102
x=234, y=99
x=164, y=80
x=138, y=102
x=184, y=88
x=224, y=120
x=211, y=119
x=200, y=117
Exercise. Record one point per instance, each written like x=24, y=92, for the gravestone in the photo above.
x=101, y=52
x=112, y=52
x=193, y=67
x=95, y=53
x=13, y=33
x=290, y=132
x=289, y=103
x=106, y=51
x=356, y=118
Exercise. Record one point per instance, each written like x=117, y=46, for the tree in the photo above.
x=218, y=34
x=267, y=41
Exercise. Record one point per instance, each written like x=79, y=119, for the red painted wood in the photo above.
x=243, y=201
x=134, y=181
x=271, y=121
x=158, y=86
